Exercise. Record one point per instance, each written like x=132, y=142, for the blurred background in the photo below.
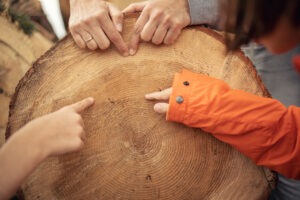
x=52, y=10
x=28, y=28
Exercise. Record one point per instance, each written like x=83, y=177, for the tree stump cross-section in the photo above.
x=132, y=152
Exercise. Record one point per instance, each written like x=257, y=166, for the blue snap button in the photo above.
x=179, y=99
x=186, y=83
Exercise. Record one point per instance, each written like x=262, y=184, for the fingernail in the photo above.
x=131, y=52
x=91, y=99
x=157, y=107
x=147, y=96
x=119, y=27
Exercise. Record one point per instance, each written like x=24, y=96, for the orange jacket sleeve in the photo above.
x=261, y=128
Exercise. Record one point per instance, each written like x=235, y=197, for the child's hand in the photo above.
x=53, y=134
x=59, y=132
x=160, y=96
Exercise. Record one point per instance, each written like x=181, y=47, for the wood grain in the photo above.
x=132, y=152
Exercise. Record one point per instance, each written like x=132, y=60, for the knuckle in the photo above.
x=157, y=14
x=78, y=144
x=86, y=21
x=80, y=27
x=159, y=11
x=131, y=6
x=117, y=16
x=80, y=23
x=177, y=25
x=101, y=14
x=75, y=27
x=77, y=118
x=79, y=130
x=149, y=7
x=167, y=19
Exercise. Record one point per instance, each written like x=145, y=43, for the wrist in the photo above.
x=18, y=158
x=31, y=142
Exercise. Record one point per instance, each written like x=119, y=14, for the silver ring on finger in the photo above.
x=89, y=39
x=92, y=44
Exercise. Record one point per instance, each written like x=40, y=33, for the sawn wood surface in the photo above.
x=132, y=152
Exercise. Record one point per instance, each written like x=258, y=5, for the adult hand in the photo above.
x=59, y=132
x=94, y=23
x=163, y=95
x=161, y=21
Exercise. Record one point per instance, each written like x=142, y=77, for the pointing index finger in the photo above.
x=83, y=104
x=162, y=95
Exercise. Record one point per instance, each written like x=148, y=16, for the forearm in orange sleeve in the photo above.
x=261, y=128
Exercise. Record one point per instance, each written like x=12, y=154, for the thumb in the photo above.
x=161, y=108
x=83, y=104
x=135, y=7
x=116, y=16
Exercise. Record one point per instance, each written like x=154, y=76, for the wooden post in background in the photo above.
x=18, y=51
x=33, y=9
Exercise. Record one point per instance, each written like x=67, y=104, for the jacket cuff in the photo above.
x=182, y=88
x=204, y=12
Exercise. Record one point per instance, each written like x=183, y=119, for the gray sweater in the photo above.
x=204, y=12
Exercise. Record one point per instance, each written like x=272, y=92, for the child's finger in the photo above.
x=83, y=104
x=161, y=108
x=162, y=95
x=82, y=135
